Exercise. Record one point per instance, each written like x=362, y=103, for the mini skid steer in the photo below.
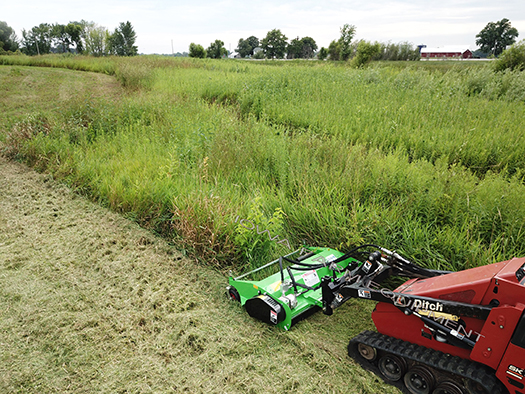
x=440, y=332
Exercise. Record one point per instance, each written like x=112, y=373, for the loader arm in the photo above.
x=364, y=282
x=335, y=294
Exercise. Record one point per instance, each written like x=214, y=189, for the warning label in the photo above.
x=273, y=317
x=310, y=278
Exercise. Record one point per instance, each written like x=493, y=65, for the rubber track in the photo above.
x=457, y=366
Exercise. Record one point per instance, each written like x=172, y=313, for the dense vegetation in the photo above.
x=427, y=159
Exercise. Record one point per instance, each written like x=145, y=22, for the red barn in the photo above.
x=446, y=53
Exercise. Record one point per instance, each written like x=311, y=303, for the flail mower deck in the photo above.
x=294, y=291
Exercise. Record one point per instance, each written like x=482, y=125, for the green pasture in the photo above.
x=427, y=159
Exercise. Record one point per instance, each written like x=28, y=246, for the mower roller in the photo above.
x=440, y=332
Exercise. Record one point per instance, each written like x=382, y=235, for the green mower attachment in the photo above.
x=294, y=291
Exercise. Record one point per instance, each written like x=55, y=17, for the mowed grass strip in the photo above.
x=28, y=90
x=90, y=302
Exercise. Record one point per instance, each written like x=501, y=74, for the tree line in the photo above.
x=492, y=40
x=91, y=39
x=276, y=46
x=82, y=37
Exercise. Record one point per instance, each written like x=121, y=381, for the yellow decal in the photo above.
x=275, y=286
x=438, y=315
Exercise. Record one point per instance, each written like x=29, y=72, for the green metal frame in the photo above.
x=306, y=299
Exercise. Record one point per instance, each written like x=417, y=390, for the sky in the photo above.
x=166, y=26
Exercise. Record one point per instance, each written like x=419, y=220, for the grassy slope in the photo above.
x=91, y=303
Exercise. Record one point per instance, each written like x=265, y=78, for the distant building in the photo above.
x=446, y=53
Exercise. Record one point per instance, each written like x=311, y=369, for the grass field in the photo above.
x=426, y=158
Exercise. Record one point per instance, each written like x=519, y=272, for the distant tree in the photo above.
x=94, y=38
x=309, y=47
x=197, y=50
x=365, y=53
x=8, y=39
x=274, y=44
x=479, y=54
x=400, y=51
x=258, y=55
x=245, y=47
x=512, y=58
x=254, y=43
x=74, y=30
x=342, y=49
x=303, y=48
x=334, y=50
x=496, y=36
x=294, y=49
x=345, y=40
x=216, y=50
x=67, y=38
x=38, y=40
x=122, y=41
x=323, y=53
x=61, y=39
x=407, y=51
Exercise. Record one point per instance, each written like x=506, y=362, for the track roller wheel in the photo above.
x=448, y=388
x=367, y=352
x=392, y=367
x=419, y=380
x=233, y=294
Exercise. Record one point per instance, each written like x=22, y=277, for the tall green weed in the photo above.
x=258, y=236
x=321, y=154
